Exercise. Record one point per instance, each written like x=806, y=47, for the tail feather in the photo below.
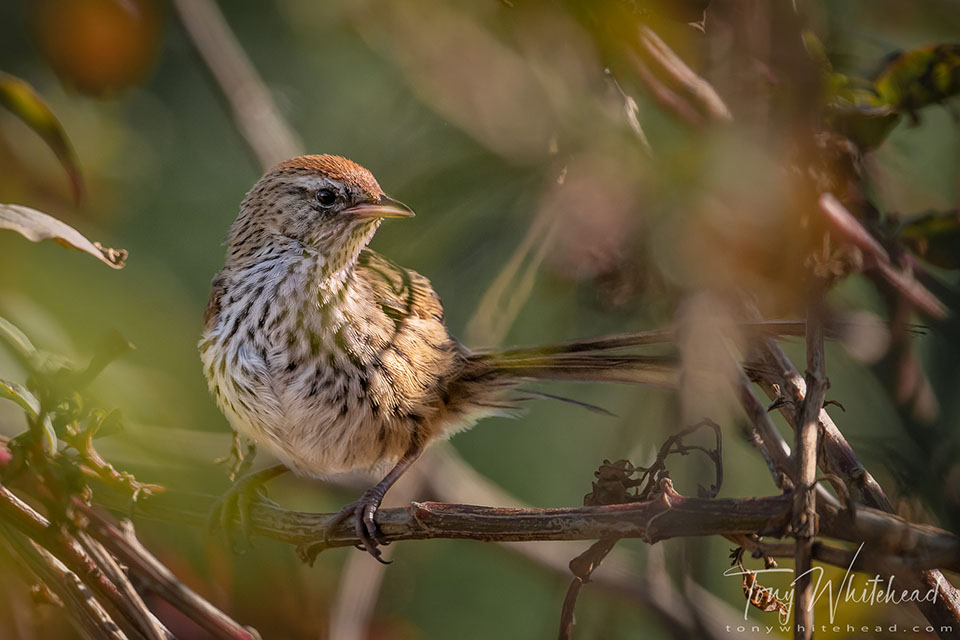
x=582, y=361
x=600, y=359
x=762, y=328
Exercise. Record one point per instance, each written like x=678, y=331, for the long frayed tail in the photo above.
x=600, y=360
x=590, y=360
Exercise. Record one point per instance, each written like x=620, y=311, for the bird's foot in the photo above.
x=363, y=512
x=238, y=501
x=240, y=458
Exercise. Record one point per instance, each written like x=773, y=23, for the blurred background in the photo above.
x=557, y=197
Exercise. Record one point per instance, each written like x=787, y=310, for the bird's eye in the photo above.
x=326, y=197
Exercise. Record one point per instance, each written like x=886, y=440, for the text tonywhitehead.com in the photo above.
x=836, y=628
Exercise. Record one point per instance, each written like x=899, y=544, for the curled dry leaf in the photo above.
x=24, y=102
x=36, y=226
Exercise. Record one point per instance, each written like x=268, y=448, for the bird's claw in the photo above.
x=238, y=502
x=363, y=512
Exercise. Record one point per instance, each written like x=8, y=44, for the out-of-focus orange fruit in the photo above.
x=98, y=46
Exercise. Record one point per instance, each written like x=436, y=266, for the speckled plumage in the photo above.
x=335, y=358
x=326, y=353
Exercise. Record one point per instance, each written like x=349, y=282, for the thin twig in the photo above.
x=90, y=618
x=663, y=95
x=779, y=378
x=24, y=518
x=673, y=67
x=148, y=624
x=582, y=567
x=451, y=479
x=123, y=543
x=846, y=225
x=805, y=456
x=254, y=110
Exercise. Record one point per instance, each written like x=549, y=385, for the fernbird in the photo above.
x=335, y=358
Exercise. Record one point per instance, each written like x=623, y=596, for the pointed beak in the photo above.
x=383, y=208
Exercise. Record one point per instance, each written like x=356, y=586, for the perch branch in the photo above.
x=667, y=515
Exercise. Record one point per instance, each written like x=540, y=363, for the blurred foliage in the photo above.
x=485, y=116
x=98, y=47
x=21, y=99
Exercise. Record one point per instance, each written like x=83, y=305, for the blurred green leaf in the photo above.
x=22, y=396
x=935, y=236
x=18, y=341
x=36, y=226
x=101, y=423
x=920, y=77
x=868, y=126
x=24, y=102
x=29, y=403
x=111, y=346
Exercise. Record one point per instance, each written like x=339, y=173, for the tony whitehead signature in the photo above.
x=870, y=592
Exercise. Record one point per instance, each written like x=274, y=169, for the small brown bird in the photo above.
x=334, y=358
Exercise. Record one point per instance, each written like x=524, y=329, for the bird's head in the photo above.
x=325, y=205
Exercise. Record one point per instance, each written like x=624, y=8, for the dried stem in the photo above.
x=805, y=454
x=780, y=380
x=672, y=66
x=122, y=542
x=846, y=225
x=89, y=617
x=148, y=625
x=254, y=111
x=582, y=567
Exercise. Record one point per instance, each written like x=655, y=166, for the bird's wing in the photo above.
x=399, y=291
x=217, y=287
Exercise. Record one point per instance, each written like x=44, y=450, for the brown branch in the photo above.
x=147, y=623
x=64, y=546
x=89, y=617
x=668, y=515
x=361, y=580
x=582, y=567
x=779, y=379
x=701, y=615
x=766, y=438
x=846, y=225
x=701, y=92
x=121, y=541
x=55, y=539
x=805, y=454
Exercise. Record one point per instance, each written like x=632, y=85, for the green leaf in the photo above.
x=36, y=226
x=915, y=79
x=24, y=102
x=856, y=112
x=49, y=435
x=22, y=396
x=31, y=405
x=868, y=126
x=18, y=341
